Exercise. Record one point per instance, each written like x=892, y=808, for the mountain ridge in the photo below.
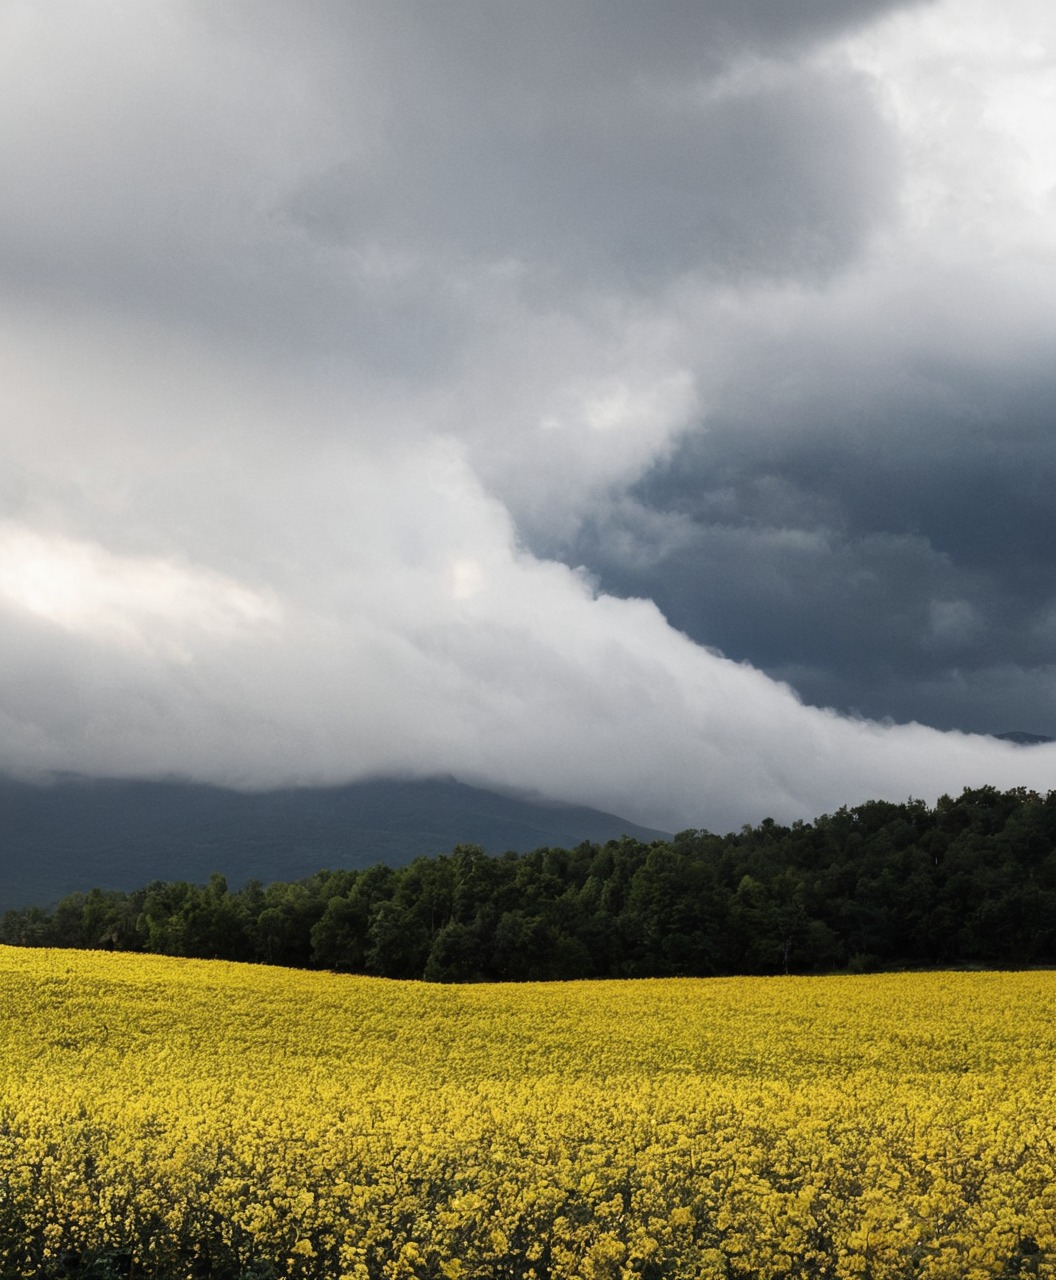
x=75, y=832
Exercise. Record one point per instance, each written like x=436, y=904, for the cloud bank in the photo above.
x=414, y=388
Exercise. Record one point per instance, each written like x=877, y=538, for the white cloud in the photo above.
x=972, y=87
x=309, y=331
x=123, y=601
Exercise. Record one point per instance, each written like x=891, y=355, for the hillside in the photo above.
x=77, y=833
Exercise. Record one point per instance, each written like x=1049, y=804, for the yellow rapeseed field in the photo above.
x=197, y=1119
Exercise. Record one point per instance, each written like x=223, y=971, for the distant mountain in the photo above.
x=1024, y=739
x=77, y=833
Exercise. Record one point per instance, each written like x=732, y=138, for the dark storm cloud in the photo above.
x=895, y=559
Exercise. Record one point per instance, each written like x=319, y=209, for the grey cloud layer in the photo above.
x=627, y=192
x=337, y=337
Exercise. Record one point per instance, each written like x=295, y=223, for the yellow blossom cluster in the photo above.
x=200, y=1119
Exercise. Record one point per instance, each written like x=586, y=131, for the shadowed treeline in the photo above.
x=970, y=881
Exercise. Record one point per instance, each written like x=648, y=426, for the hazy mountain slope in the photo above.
x=81, y=832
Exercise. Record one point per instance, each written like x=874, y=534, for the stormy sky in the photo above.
x=647, y=405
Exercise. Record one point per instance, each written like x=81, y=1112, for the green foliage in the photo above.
x=970, y=881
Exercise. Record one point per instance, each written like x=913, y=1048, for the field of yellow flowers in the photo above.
x=176, y=1118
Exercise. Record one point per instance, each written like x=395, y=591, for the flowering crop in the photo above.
x=201, y=1119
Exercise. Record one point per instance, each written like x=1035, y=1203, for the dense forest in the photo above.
x=970, y=881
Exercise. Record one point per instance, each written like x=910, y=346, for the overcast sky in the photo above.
x=648, y=405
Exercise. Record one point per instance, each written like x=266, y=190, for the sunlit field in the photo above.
x=174, y=1118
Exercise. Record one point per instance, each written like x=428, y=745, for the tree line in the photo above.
x=971, y=880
